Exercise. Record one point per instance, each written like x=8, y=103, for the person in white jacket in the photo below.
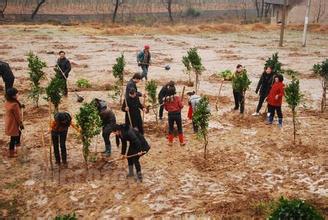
x=193, y=101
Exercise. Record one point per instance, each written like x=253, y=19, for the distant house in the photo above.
x=276, y=9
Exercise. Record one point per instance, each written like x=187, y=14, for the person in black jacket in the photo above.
x=138, y=146
x=65, y=67
x=108, y=121
x=264, y=86
x=7, y=75
x=161, y=95
x=132, y=84
x=133, y=107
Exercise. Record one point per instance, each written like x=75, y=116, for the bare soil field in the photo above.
x=249, y=163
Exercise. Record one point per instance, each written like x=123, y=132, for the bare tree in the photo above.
x=2, y=10
x=117, y=4
x=40, y=3
x=168, y=4
x=320, y=10
x=256, y=4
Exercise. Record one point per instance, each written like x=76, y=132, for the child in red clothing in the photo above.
x=173, y=105
x=275, y=100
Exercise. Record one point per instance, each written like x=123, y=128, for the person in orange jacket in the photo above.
x=275, y=100
x=13, y=120
x=59, y=129
x=173, y=105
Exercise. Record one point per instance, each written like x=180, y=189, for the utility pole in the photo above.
x=306, y=22
x=282, y=30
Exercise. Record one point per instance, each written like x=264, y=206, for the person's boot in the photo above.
x=139, y=177
x=108, y=150
x=170, y=138
x=280, y=122
x=269, y=119
x=131, y=172
x=181, y=139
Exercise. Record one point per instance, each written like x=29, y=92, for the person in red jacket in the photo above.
x=275, y=100
x=173, y=105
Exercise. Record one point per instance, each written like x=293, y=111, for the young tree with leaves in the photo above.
x=188, y=69
x=151, y=88
x=55, y=91
x=118, y=72
x=274, y=63
x=321, y=70
x=240, y=83
x=89, y=122
x=196, y=64
x=293, y=98
x=201, y=118
x=36, y=74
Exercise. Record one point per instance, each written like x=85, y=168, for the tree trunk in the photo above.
x=205, y=146
x=294, y=125
x=197, y=81
x=262, y=8
x=282, y=30
x=115, y=10
x=40, y=3
x=169, y=8
x=324, y=95
x=257, y=8
x=2, y=12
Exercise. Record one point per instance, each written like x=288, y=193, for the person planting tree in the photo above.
x=7, y=75
x=161, y=96
x=108, y=120
x=173, y=106
x=193, y=102
x=13, y=119
x=63, y=68
x=132, y=84
x=59, y=129
x=143, y=60
x=263, y=87
x=240, y=84
x=275, y=100
x=133, y=105
x=138, y=146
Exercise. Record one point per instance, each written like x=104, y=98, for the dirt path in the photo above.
x=248, y=161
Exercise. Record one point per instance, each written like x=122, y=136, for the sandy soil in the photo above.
x=248, y=163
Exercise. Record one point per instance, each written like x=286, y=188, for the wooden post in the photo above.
x=282, y=30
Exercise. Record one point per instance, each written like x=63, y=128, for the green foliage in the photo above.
x=186, y=63
x=226, y=75
x=83, y=83
x=151, y=88
x=321, y=69
x=274, y=63
x=118, y=68
x=36, y=74
x=294, y=209
x=201, y=118
x=291, y=73
x=66, y=217
x=293, y=94
x=195, y=60
x=55, y=91
x=89, y=122
x=241, y=82
x=193, y=12
x=115, y=92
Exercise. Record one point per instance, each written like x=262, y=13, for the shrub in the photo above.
x=89, y=122
x=193, y=12
x=83, y=83
x=66, y=217
x=294, y=209
x=36, y=74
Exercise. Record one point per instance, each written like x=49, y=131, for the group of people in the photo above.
x=130, y=134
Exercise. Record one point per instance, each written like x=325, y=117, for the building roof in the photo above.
x=275, y=2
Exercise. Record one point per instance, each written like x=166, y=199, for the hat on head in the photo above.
x=147, y=47
x=11, y=92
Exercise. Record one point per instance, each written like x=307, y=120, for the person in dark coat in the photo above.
x=132, y=84
x=65, y=68
x=108, y=121
x=264, y=86
x=138, y=146
x=7, y=75
x=133, y=107
x=161, y=96
x=143, y=60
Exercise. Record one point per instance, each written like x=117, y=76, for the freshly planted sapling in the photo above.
x=274, y=63
x=321, y=70
x=55, y=91
x=36, y=74
x=118, y=72
x=201, y=118
x=188, y=69
x=83, y=83
x=226, y=75
x=89, y=122
x=151, y=88
x=196, y=64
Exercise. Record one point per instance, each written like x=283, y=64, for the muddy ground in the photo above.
x=249, y=163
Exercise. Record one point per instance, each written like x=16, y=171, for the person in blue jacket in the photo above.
x=143, y=60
